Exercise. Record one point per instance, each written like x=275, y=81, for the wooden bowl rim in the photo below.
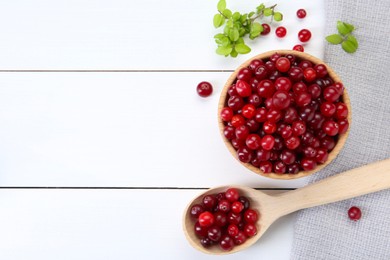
x=342, y=138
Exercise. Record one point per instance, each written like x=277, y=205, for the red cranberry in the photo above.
x=307, y=113
x=261, y=72
x=293, y=168
x=299, y=87
x=317, y=121
x=266, y=88
x=330, y=127
x=200, y=231
x=243, y=88
x=266, y=29
x=298, y=47
x=283, y=83
x=228, y=132
x=292, y=143
x=209, y=202
x=266, y=167
x=226, y=243
x=206, y=242
x=270, y=65
x=206, y=219
x=290, y=115
x=196, y=210
x=339, y=86
x=274, y=115
x=328, y=143
x=309, y=74
x=321, y=155
x=321, y=70
x=244, y=201
x=242, y=132
x=304, y=35
x=279, y=167
x=220, y=218
x=248, y=111
x=232, y=90
x=309, y=152
x=244, y=74
x=296, y=74
x=224, y=206
x=314, y=90
x=301, y=13
x=267, y=142
x=269, y=127
x=253, y=141
x=308, y=164
x=214, y=233
x=235, y=102
x=232, y=194
x=232, y=230
x=251, y=216
x=331, y=94
x=282, y=64
x=204, y=89
x=287, y=131
x=263, y=155
x=281, y=99
x=226, y=114
x=253, y=125
x=280, y=31
x=274, y=57
x=287, y=157
x=255, y=100
x=240, y=238
x=341, y=111
x=343, y=126
x=328, y=109
x=279, y=143
x=261, y=115
x=237, y=120
x=354, y=213
x=234, y=218
x=237, y=207
x=268, y=103
x=250, y=230
x=255, y=63
x=302, y=99
x=244, y=154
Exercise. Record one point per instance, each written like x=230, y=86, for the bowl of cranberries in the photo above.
x=284, y=114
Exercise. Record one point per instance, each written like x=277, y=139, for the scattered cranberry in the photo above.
x=298, y=47
x=266, y=29
x=304, y=35
x=280, y=31
x=204, y=89
x=301, y=13
x=354, y=213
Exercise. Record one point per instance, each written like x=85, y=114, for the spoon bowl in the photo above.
x=363, y=180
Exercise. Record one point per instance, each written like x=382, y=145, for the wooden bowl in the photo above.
x=223, y=101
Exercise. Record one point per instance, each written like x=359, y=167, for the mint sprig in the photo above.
x=231, y=42
x=344, y=37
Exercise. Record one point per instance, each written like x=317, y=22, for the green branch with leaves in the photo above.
x=344, y=37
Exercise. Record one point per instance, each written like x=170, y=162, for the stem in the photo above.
x=262, y=12
x=223, y=15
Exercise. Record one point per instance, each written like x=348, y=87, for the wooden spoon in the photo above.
x=367, y=179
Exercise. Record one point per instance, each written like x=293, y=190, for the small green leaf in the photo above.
x=227, y=13
x=236, y=16
x=225, y=42
x=240, y=40
x=342, y=28
x=218, y=20
x=348, y=46
x=221, y=5
x=242, y=31
x=243, y=18
x=334, y=39
x=260, y=8
x=251, y=14
x=268, y=12
x=353, y=40
x=234, y=53
x=242, y=48
x=350, y=27
x=256, y=28
x=234, y=34
x=224, y=50
x=278, y=16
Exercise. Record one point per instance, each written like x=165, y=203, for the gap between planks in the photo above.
x=123, y=188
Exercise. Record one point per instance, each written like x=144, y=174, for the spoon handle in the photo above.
x=359, y=181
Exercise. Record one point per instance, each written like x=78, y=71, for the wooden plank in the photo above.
x=123, y=34
x=111, y=224
x=115, y=129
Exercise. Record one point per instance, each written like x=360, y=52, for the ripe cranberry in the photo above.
x=240, y=238
x=226, y=114
x=261, y=115
x=266, y=29
x=328, y=109
x=242, y=132
x=330, y=127
x=274, y=57
x=244, y=74
x=283, y=83
x=298, y=47
x=243, y=88
x=226, y=243
x=269, y=127
x=287, y=132
x=244, y=154
x=206, y=219
x=321, y=70
x=232, y=194
x=232, y=90
x=282, y=64
x=261, y=72
x=251, y=216
x=328, y=143
x=209, y=202
x=305, y=64
x=267, y=142
x=314, y=90
x=232, y=230
x=255, y=63
x=301, y=13
x=220, y=196
x=224, y=206
x=254, y=99
x=274, y=115
x=244, y=201
x=321, y=155
x=317, y=121
x=343, y=126
x=279, y=143
x=234, y=218
x=309, y=74
x=199, y=230
x=214, y=233
x=204, y=89
x=237, y=120
x=274, y=75
x=304, y=35
x=206, y=242
x=253, y=141
x=299, y=128
x=220, y=219
x=292, y=143
x=354, y=213
x=290, y=115
x=341, y=111
x=253, y=125
x=308, y=164
x=290, y=57
x=235, y=102
x=328, y=82
x=307, y=113
x=196, y=210
x=248, y=111
x=265, y=88
x=302, y=99
x=309, y=152
x=331, y=94
x=293, y=168
x=268, y=103
x=250, y=230
x=287, y=157
x=228, y=132
x=266, y=167
x=296, y=74
x=237, y=207
x=263, y=155
x=280, y=31
x=270, y=65
x=281, y=100
x=339, y=86
x=299, y=87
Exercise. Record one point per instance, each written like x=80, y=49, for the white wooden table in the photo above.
x=103, y=139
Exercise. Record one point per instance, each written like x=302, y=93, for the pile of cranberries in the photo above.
x=224, y=219
x=284, y=114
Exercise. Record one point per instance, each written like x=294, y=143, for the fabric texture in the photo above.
x=325, y=232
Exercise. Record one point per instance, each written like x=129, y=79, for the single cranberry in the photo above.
x=354, y=213
x=298, y=47
x=244, y=74
x=214, y=233
x=237, y=144
x=220, y=196
x=251, y=216
x=250, y=229
x=255, y=63
x=234, y=218
x=295, y=74
x=274, y=115
x=274, y=57
x=228, y=132
x=244, y=154
x=227, y=114
x=243, y=88
x=279, y=143
x=196, y=210
x=287, y=132
x=253, y=141
x=292, y=143
x=283, y=83
x=314, y=90
x=287, y=157
x=267, y=142
x=232, y=230
x=248, y=111
x=265, y=88
x=232, y=90
x=307, y=138
x=317, y=121
x=232, y=194
x=302, y=99
x=304, y=35
x=321, y=70
x=253, y=125
x=328, y=109
x=235, y=102
x=308, y=164
x=240, y=238
x=269, y=127
x=290, y=115
x=305, y=64
x=254, y=99
x=263, y=155
x=343, y=126
x=199, y=230
x=299, y=87
x=339, y=86
x=331, y=94
x=237, y=207
x=226, y=243
x=341, y=111
x=204, y=89
x=282, y=64
x=268, y=103
x=321, y=155
x=328, y=81
x=261, y=72
x=301, y=13
x=293, y=168
x=328, y=143
x=290, y=57
x=307, y=113
x=279, y=167
x=206, y=242
x=281, y=100
x=330, y=127
x=309, y=74
x=280, y=31
x=245, y=202
x=266, y=167
x=299, y=127
x=206, y=219
x=242, y=132
x=237, y=120
x=220, y=218
x=266, y=29
x=270, y=65
x=261, y=115
x=224, y=206
x=309, y=152
x=209, y=202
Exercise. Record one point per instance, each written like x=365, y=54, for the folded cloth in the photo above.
x=326, y=232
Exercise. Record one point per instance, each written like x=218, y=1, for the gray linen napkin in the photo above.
x=326, y=232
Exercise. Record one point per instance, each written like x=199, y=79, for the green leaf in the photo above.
x=268, y=12
x=334, y=39
x=221, y=5
x=227, y=13
x=343, y=28
x=242, y=31
x=218, y=20
x=278, y=16
x=234, y=34
x=353, y=40
x=251, y=14
x=236, y=16
x=349, y=46
x=350, y=27
x=225, y=42
x=260, y=8
x=224, y=50
x=243, y=18
x=242, y=48
x=256, y=28
x=240, y=40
